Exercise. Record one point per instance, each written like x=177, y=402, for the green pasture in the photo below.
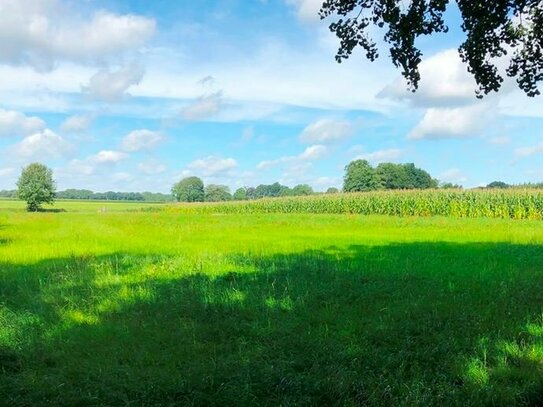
x=131, y=307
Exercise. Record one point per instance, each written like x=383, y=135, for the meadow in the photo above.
x=115, y=304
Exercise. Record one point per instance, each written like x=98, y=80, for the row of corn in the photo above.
x=514, y=204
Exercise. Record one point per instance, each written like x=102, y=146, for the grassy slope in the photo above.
x=157, y=308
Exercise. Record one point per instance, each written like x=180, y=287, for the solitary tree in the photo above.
x=36, y=186
x=493, y=29
x=360, y=176
x=189, y=189
x=332, y=190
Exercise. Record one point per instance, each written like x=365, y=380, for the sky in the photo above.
x=133, y=95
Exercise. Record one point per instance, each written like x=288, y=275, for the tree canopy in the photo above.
x=190, y=189
x=493, y=28
x=36, y=186
x=361, y=176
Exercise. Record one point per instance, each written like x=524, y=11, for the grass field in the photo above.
x=128, y=307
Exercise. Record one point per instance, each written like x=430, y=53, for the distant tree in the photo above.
x=286, y=191
x=494, y=30
x=240, y=194
x=36, y=186
x=302, y=189
x=189, y=189
x=360, y=176
x=418, y=178
x=498, y=184
x=332, y=190
x=251, y=193
x=269, y=191
x=449, y=185
x=217, y=193
x=393, y=176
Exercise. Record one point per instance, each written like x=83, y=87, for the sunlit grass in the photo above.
x=122, y=307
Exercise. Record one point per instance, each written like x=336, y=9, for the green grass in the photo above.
x=162, y=308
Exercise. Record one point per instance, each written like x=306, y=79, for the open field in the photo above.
x=80, y=206
x=128, y=307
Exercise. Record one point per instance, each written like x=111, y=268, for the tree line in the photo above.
x=359, y=176
x=85, y=194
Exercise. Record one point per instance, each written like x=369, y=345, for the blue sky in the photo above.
x=134, y=95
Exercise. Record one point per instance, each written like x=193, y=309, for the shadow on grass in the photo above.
x=405, y=324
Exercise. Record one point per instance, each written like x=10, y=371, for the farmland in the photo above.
x=232, y=304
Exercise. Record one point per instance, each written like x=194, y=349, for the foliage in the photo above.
x=85, y=194
x=360, y=176
x=190, y=189
x=36, y=186
x=498, y=184
x=240, y=194
x=509, y=203
x=217, y=193
x=302, y=189
x=494, y=29
x=449, y=185
x=8, y=193
x=332, y=190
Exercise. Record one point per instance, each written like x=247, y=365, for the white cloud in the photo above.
x=44, y=145
x=5, y=172
x=41, y=32
x=108, y=157
x=445, y=82
x=204, y=107
x=446, y=123
x=143, y=139
x=311, y=153
x=315, y=152
x=151, y=167
x=213, y=166
x=101, y=161
x=529, y=151
x=326, y=131
x=453, y=175
x=111, y=86
x=76, y=124
x=306, y=10
x=380, y=156
x=14, y=123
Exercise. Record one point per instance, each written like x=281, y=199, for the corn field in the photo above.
x=513, y=204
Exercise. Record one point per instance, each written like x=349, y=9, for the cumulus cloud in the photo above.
x=43, y=144
x=14, y=123
x=326, y=131
x=111, y=86
x=447, y=123
x=445, y=82
x=213, y=166
x=381, y=156
x=204, y=107
x=105, y=159
x=76, y=124
x=41, y=32
x=108, y=157
x=529, y=151
x=143, y=139
x=311, y=153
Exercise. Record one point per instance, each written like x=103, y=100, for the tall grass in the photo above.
x=503, y=204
